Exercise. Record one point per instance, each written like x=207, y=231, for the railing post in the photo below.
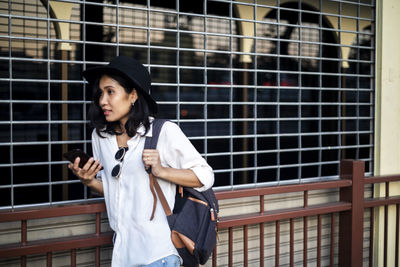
x=351, y=222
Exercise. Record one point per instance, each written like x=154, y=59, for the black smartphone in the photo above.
x=73, y=154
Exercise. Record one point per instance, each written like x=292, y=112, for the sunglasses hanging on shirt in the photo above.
x=119, y=156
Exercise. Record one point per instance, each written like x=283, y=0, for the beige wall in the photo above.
x=387, y=132
x=387, y=114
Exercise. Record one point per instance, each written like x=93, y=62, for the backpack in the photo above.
x=193, y=220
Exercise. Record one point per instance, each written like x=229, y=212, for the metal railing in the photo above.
x=48, y=246
x=343, y=216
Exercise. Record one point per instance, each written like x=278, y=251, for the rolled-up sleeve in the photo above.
x=178, y=152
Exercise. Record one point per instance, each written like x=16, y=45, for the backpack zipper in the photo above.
x=212, y=214
x=198, y=201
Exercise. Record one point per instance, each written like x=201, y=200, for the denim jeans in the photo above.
x=170, y=261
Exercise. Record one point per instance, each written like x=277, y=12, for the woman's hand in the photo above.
x=88, y=173
x=151, y=158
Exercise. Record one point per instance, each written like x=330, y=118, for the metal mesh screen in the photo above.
x=270, y=92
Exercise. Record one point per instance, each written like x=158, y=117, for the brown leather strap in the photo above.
x=161, y=196
x=155, y=185
x=151, y=179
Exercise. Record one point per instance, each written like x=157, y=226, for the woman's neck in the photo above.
x=122, y=140
x=121, y=129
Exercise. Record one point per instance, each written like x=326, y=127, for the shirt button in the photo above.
x=163, y=261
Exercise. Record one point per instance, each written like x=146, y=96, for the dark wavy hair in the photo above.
x=138, y=115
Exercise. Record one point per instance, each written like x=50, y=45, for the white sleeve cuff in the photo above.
x=205, y=175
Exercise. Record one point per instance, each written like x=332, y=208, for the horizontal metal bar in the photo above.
x=224, y=103
x=57, y=244
x=283, y=166
x=280, y=183
x=47, y=81
x=32, y=143
x=52, y=204
x=200, y=50
x=259, y=119
x=290, y=134
x=285, y=150
x=304, y=11
x=353, y=3
x=36, y=101
x=204, y=68
x=219, y=154
x=44, y=122
x=281, y=119
x=33, y=185
x=202, y=84
x=382, y=179
x=259, y=167
x=283, y=189
x=270, y=216
x=280, y=104
x=52, y=212
x=211, y=137
x=274, y=167
x=275, y=56
x=40, y=163
x=382, y=201
x=260, y=87
x=286, y=8
x=202, y=16
x=255, y=4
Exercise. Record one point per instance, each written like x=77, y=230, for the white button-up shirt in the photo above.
x=129, y=201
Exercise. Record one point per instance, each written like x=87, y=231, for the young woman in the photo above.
x=122, y=113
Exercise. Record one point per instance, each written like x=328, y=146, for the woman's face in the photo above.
x=114, y=100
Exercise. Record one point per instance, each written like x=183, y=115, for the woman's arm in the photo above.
x=181, y=162
x=184, y=177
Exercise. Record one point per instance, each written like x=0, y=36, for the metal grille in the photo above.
x=270, y=92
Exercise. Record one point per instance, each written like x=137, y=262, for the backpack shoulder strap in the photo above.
x=151, y=143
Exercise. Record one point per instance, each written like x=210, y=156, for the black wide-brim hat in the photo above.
x=129, y=69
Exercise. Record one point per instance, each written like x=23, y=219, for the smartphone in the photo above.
x=73, y=154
